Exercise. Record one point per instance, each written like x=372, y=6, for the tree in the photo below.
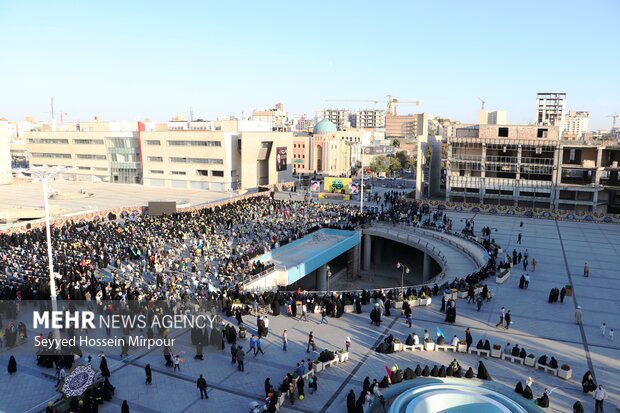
x=406, y=160
x=396, y=143
x=380, y=165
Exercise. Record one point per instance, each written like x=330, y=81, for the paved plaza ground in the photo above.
x=560, y=248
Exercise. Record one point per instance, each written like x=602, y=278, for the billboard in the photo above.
x=281, y=158
x=337, y=185
x=315, y=186
x=353, y=188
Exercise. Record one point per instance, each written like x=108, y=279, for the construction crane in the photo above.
x=392, y=103
x=613, y=117
x=483, y=102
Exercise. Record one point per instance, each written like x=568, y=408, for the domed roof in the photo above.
x=325, y=126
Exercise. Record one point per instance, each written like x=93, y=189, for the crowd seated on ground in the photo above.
x=161, y=256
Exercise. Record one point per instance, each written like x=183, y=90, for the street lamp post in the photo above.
x=44, y=176
x=362, y=193
x=405, y=269
x=329, y=274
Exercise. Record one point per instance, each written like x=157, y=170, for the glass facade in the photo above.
x=124, y=156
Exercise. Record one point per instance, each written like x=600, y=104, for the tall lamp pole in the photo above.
x=329, y=274
x=405, y=269
x=362, y=193
x=44, y=176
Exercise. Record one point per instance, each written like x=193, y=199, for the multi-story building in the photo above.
x=529, y=166
x=406, y=126
x=339, y=117
x=329, y=151
x=368, y=119
x=217, y=160
x=551, y=109
x=233, y=156
x=100, y=155
x=588, y=178
x=503, y=165
x=576, y=125
x=276, y=116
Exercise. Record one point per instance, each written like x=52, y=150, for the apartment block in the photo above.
x=576, y=125
x=368, y=119
x=551, y=109
x=406, y=126
x=339, y=117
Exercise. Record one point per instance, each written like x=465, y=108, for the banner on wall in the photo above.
x=337, y=185
x=281, y=158
x=315, y=186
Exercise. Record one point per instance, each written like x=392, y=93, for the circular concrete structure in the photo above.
x=453, y=395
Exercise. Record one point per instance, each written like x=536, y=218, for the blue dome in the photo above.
x=324, y=126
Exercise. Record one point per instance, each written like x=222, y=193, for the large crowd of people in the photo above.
x=144, y=257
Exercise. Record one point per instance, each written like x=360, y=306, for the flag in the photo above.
x=389, y=374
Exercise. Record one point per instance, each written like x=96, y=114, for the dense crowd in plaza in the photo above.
x=191, y=260
x=161, y=257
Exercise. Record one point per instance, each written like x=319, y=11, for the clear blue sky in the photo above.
x=127, y=59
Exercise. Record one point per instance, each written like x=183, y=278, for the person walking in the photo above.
x=125, y=407
x=259, y=347
x=586, y=270
x=527, y=280
x=599, y=397
x=347, y=344
x=562, y=294
x=501, y=317
x=310, y=343
x=61, y=374
x=507, y=319
x=233, y=354
x=534, y=262
x=324, y=316
x=177, y=363
x=578, y=315
x=519, y=238
x=240, y=358
x=468, y=338
x=149, y=375
x=304, y=311
x=201, y=383
x=479, y=301
x=252, y=345
x=284, y=340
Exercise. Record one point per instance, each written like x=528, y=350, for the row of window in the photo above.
x=200, y=172
x=67, y=155
x=173, y=159
x=88, y=168
x=65, y=141
x=155, y=142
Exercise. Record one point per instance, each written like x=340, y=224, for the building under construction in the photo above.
x=502, y=165
x=529, y=166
